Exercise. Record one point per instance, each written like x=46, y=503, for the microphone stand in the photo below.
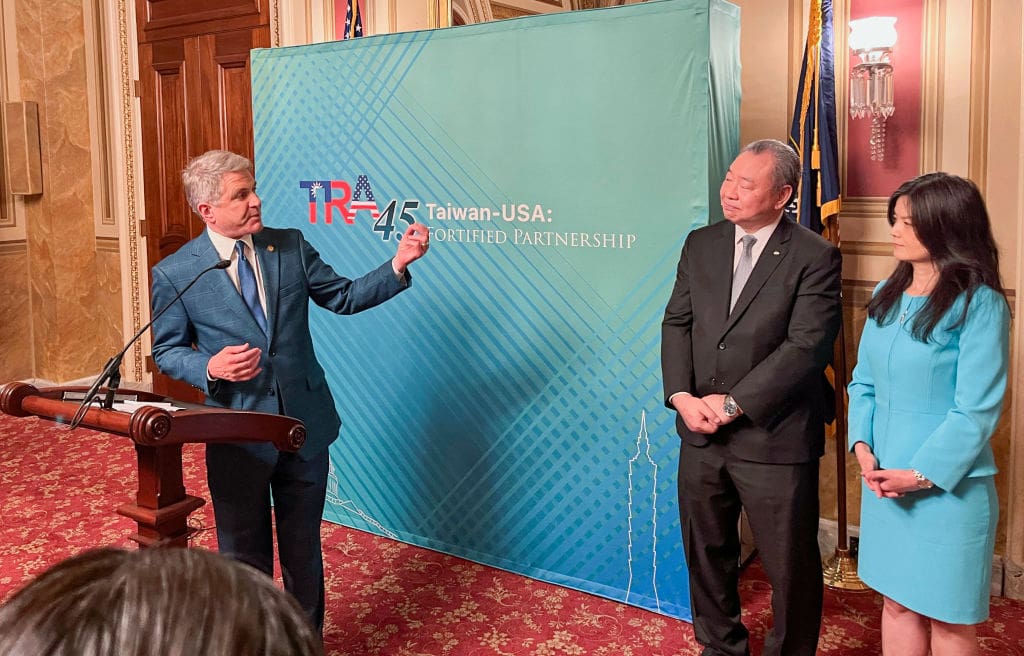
x=112, y=370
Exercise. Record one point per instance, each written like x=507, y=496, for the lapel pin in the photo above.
x=271, y=248
x=775, y=252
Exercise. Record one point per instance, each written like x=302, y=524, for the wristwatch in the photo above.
x=729, y=407
x=922, y=482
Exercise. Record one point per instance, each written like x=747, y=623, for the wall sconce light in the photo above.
x=871, y=85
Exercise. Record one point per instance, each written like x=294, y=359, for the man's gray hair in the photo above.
x=203, y=176
x=787, y=165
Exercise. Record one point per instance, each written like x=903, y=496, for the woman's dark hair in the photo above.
x=158, y=601
x=951, y=222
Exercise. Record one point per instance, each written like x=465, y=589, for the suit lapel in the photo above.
x=221, y=283
x=723, y=254
x=268, y=253
x=772, y=255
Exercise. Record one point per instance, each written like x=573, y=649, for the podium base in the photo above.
x=840, y=572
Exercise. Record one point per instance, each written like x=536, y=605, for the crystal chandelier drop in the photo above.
x=871, y=80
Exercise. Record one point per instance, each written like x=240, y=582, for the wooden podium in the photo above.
x=162, y=506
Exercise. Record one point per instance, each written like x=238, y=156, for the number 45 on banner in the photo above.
x=385, y=224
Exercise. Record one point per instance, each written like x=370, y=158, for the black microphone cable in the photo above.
x=112, y=370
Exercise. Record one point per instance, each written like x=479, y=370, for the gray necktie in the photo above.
x=743, y=269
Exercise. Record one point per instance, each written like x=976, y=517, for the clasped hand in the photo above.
x=885, y=483
x=701, y=414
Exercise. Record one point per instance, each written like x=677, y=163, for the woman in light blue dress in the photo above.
x=925, y=397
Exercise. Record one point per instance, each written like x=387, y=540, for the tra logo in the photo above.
x=338, y=196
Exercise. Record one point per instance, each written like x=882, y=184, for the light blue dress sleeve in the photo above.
x=949, y=452
x=861, y=410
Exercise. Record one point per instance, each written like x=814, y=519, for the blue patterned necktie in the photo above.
x=247, y=286
x=743, y=269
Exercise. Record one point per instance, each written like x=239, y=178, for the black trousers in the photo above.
x=781, y=501
x=241, y=478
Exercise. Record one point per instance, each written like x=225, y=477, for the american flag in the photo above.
x=353, y=20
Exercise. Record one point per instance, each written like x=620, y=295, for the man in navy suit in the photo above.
x=746, y=337
x=242, y=337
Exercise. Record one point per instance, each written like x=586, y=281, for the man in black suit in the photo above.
x=746, y=337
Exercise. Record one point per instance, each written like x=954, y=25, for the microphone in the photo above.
x=112, y=371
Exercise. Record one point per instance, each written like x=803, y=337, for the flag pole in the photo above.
x=840, y=571
x=813, y=136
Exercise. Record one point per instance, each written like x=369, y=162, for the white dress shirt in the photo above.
x=225, y=247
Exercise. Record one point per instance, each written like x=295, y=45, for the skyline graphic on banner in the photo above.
x=643, y=449
x=349, y=505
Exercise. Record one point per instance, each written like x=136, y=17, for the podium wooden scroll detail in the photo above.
x=162, y=505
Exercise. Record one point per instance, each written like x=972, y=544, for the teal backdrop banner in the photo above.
x=508, y=408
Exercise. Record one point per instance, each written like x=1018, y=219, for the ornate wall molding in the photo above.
x=867, y=248
x=526, y=7
x=118, y=44
x=977, y=168
x=108, y=245
x=12, y=208
x=933, y=64
x=275, y=24
x=1013, y=574
x=472, y=11
x=15, y=247
x=865, y=206
x=99, y=111
x=439, y=13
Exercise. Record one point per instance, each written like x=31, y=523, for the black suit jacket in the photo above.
x=770, y=353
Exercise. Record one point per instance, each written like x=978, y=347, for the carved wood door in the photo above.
x=195, y=93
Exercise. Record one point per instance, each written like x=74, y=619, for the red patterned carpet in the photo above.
x=58, y=492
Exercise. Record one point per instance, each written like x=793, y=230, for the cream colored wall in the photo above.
x=1003, y=115
x=388, y=16
x=767, y=39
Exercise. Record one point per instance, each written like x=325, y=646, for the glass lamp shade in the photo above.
x=875, y=33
